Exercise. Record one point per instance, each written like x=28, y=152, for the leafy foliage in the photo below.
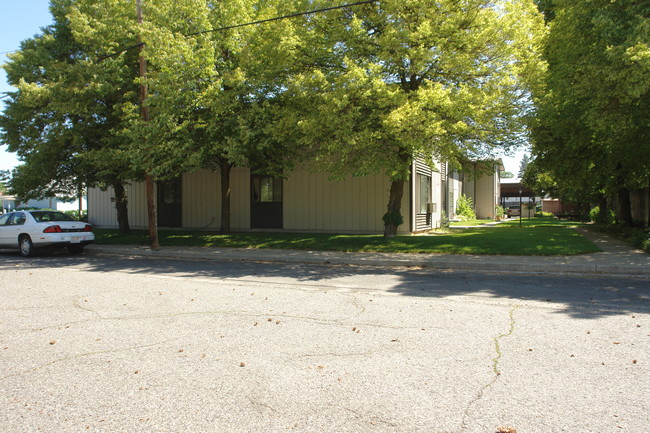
x=591, y=135
x=465, y=208
x=357, y=91
x=394, y=80
x=68, y=117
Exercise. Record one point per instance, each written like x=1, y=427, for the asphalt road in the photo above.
x=104, y=344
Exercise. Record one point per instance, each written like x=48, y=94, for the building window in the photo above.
x=267, y=190
x=424, y=193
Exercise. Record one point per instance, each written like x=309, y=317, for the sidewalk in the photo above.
x=617, y=258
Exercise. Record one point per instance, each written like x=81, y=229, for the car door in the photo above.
x=13, y=228
x=3, y=226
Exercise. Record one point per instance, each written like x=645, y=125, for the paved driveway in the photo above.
x=111, y=345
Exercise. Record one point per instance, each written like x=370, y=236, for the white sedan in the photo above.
x=27, y=230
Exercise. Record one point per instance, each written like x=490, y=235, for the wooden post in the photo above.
x=144, y=112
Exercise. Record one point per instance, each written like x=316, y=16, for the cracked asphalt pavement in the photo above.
x=107, y=344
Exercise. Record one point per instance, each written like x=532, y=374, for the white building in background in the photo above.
x=7, y=203
x=10, y=203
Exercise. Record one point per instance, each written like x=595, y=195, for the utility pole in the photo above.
x=144, y=112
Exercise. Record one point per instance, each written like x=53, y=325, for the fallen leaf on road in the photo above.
x=506, y=430
x=53, y=342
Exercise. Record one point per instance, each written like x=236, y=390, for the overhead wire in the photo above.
x=235, y=26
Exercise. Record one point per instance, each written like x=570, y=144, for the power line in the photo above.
x=298, y=14
x=252, y=23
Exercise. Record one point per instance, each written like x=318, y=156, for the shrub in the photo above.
x=444, y=221
x=465, y=208
x=597, y=216
x=500, y=212
x=393, y=218
x=75, y=214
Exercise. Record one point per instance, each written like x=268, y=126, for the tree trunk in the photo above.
x=624, y=206
x=121, y=205
x=393, y=217
x=80, y=196
x=224, y=170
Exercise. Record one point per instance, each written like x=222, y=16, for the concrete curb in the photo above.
x=555, y=265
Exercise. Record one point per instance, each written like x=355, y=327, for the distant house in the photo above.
x=303, y=202
x=512, y=191
x=10, y=203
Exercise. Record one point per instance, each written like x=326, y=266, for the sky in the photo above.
x=19, y=20
x=22, y=19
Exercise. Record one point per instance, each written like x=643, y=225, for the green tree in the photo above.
x=591, y=133
x=394, y=80
x=67, y=117
x=525, y=160
x=5, y=176
x=227, y=113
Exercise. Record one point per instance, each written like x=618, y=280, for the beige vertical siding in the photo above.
x=486, y=196
x=101, y=210
x=201, y=200
x=137, y=195
x=312, y=202
x=240, y=198
x=455, y=190
x=101, y=207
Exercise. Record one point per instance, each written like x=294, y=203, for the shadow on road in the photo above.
x=580, y=297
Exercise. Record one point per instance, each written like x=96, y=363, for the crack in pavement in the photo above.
x=82, y=355
x=346, y=321
x=495, y=367
x=368, y=419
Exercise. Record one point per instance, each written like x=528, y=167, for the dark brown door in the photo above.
x=170, y=203
x=266, y=202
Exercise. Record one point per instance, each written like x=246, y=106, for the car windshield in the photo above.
x=47, y=216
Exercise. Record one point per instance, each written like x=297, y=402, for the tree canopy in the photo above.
x=395, y=80
x=358, y=90
x=68, y=116
x=591, y=137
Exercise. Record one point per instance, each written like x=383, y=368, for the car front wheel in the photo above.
x=26, y=246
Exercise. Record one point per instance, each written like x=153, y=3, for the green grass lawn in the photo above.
x=542, y=238
x=470, y=222
x=541, y=222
